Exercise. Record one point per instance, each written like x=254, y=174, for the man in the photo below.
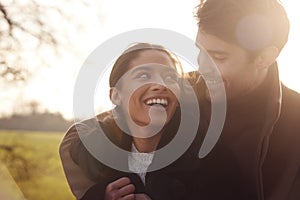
x=262, y=130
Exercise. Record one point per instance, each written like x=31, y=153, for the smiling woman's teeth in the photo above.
x=163, y=102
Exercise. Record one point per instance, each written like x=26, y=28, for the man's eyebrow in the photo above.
x=211, y=52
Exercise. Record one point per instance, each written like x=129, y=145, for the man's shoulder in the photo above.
x=290, y=100
x=288, y=122
x=290, y=92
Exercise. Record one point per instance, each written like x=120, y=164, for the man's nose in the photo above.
x=206, y=64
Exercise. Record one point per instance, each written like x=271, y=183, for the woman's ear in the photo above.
x=115, y=96
x=267, y=57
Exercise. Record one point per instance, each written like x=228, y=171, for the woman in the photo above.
x=145, y=87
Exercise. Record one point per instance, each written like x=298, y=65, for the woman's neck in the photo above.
x=147, y=145
x=145, y=138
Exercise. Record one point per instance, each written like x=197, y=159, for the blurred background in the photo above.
x=43, y=44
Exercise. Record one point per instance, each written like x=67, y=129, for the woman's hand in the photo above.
x=121, y=189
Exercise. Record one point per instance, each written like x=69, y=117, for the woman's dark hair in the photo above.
x=121, y=65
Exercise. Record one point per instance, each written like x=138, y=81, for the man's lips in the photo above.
x=214, y=81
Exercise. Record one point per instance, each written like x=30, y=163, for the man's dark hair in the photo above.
x=251, y=24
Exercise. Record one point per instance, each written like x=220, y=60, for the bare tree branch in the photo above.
x=22, y=23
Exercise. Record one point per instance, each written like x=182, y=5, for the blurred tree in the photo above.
x=32, y=116
x=27, y=26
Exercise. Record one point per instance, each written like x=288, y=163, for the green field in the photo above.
x=30, y=167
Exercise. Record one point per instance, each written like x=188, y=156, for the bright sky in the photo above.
x=53, y=86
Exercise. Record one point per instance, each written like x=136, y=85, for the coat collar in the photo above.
x=264, y=103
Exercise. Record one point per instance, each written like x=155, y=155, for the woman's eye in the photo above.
x=171, y=77
x=143, y=76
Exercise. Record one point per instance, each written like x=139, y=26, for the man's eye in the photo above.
x=219, y=56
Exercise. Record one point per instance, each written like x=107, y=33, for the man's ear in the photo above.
x=266, y=58
x=115, y=96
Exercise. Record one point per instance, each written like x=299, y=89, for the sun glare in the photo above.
x=289, y=64
x=53, y=88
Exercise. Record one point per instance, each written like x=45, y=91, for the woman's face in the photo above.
x=149, y=88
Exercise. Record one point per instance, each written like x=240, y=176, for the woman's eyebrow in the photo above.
x=169, y=69
x=141, y=68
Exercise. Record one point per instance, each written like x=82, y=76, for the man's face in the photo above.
x=237, y=71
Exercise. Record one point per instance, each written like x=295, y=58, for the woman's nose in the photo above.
x=158, y=83
x=158, y=87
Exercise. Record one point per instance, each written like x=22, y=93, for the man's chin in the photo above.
x=215, y=96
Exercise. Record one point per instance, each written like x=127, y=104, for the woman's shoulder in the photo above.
x=88, y=131
x=102, y=123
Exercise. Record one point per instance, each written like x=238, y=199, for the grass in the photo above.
x=33, y=165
